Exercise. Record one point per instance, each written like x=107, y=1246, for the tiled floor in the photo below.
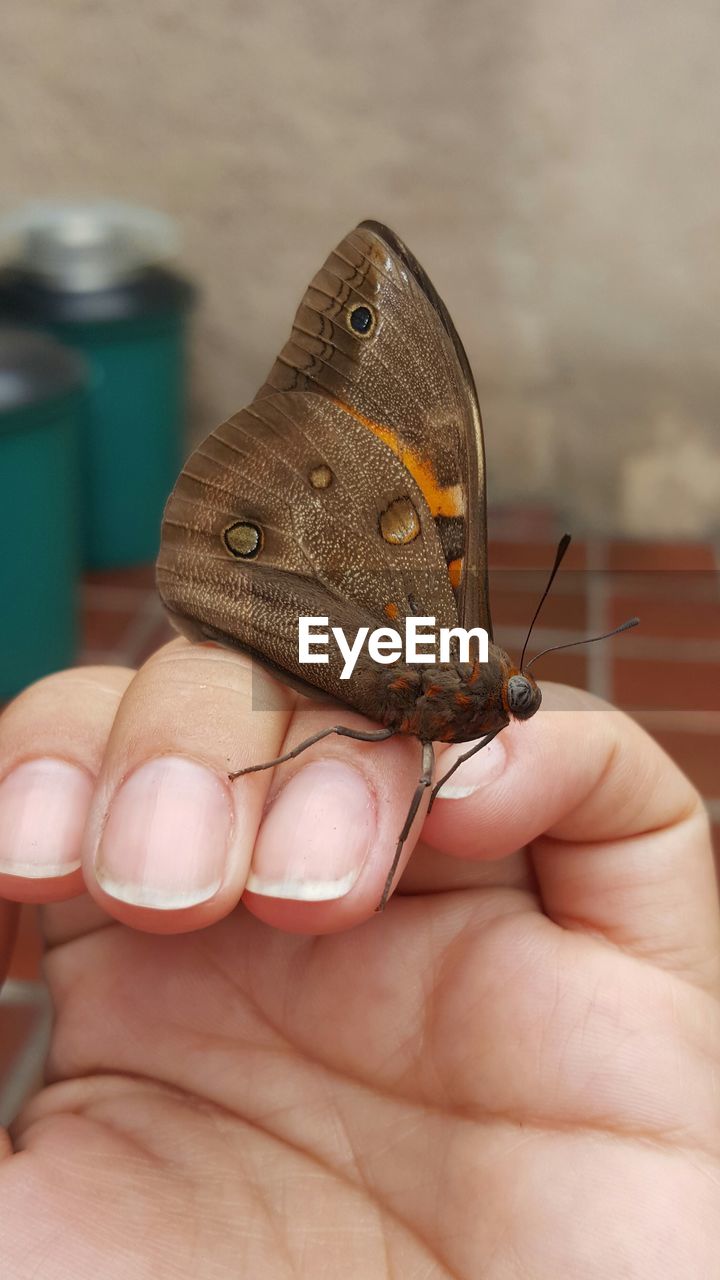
x=666, y=672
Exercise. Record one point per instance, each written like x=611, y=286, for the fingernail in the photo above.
x=43, y=808
x=475, y=773
x=316, y=836
x=166, y=836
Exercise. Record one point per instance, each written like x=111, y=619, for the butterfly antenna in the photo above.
x=563, y=545
x=625, y=626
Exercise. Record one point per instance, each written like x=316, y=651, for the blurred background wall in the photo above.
x=554, y=166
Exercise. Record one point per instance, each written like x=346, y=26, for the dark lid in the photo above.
x=34, y=368
x=150, y=291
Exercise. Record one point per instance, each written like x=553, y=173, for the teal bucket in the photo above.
x=42, y=405
x=133, y=337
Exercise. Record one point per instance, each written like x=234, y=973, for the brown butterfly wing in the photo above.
x=343, y=531
x=408, y=382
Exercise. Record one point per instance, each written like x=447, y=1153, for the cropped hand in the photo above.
x=511, y=1073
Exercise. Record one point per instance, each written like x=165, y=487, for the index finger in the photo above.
x=619, y=838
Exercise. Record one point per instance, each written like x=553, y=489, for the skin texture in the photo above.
x=513, y=1073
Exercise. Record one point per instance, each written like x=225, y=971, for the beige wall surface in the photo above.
x=554, y=166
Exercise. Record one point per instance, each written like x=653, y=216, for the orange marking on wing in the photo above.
x=463, y=700
x=443, y=500
x=399, y=683
x=391, y=611
x=455, y=568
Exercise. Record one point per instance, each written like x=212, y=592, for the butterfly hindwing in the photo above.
x=292, y=508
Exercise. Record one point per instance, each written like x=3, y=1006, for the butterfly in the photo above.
x=352, y=489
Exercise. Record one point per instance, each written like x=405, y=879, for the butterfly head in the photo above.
x=522, y=696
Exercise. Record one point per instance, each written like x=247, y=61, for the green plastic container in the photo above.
x=42, y=405
x=133, y=446
x=80, y=275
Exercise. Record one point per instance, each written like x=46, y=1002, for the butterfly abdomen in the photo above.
x=443, y=702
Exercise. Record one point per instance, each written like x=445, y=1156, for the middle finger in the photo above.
x=169, y=841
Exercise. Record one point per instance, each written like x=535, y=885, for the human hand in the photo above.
x=513, y=1072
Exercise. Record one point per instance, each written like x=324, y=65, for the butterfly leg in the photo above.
x=425, y=780
x=460, y=760
x=374, y=735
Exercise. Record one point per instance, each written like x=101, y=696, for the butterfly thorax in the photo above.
x=444, y=702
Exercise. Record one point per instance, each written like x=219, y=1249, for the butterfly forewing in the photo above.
x=407, y=381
